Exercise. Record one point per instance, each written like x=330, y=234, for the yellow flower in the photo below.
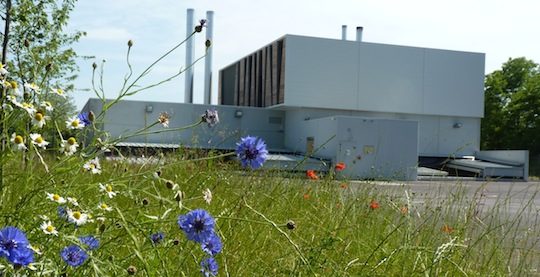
x=18, y=141
x=107, y=188
x=38, y=140
x=48, y=228
x=77, y=217
x=56, y=198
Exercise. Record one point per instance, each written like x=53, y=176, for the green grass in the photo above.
x=336, y=232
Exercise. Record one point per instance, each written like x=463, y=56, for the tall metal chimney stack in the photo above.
x=359, y=33
x=343, y=32
x=208, y=59
x=188, y=91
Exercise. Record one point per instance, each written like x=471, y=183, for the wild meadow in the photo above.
x=267, y=222
x=68, y=209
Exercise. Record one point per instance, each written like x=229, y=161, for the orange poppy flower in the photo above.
x=306, y=196
x=312, y=175
x=374, y=205
x=404, y=210
x=340, y=166
x=343, y=185
x=447, y=229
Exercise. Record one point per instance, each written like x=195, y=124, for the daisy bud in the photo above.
x=176, y=242
x=169, y=184
x=94, y=65
x=179, y=196
x=48, y=67
x=208, y=43
x=145, y=201
x=91, y=116
x=291, y=225
x=132, y=270
x=26, y=43
x=130, y=43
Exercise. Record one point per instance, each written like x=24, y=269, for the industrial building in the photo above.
x=382, y=109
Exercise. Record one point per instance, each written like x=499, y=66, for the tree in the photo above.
x=512, y=107
x=36, y=49
x=38, y=46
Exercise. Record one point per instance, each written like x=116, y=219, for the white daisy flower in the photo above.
x=13, y=99
x=69, y=146
x=74, y=123
x=3, y=70
x=105, y=207
x=47, y=106
x=107, y=188
x=33, y=87
x=73, y=201
x=48, y=228
x=77, y=217
x=35, y=249
x=207, y=196
x=29, y=108
x=60, y=92
x=39, y=119
x=93, y=166
x=18, y=142
x=56, y=198
x=38, y=140
x=14, y=86
x=164, y=119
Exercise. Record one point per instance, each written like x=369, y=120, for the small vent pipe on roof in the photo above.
x=208, y=59
x=343, y=32
x=359, y=33
x=188, y=91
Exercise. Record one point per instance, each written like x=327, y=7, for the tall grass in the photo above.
x=271, y=224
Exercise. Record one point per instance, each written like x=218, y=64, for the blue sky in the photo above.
x=500, y=29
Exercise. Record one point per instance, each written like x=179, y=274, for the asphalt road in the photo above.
x=510, y=196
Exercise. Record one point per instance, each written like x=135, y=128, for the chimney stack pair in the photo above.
x=207, y=61
x=358, y=32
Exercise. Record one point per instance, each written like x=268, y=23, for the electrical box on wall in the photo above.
x=371, y=148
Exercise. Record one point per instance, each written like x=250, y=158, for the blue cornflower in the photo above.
x=23, y=257
x=213, y=245
x=209, y=267
x=251, y=151
x=62, y=212
x=197, y=224
x=84, y=118
x=14, y=246
x=73, y=255
x=90, y=241
x=157, y=237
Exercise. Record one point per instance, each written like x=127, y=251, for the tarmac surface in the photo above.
x=511, y=196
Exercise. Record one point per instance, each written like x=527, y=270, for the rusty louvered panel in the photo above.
x=220, y=90
x=241, y=78
x=246, y=78
x=259, y=79
x=252, y=68
x=263, y=76
x=281, y=95
x=256, y=78
x=237, y=85
x=268, y=77
x=275, y=76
